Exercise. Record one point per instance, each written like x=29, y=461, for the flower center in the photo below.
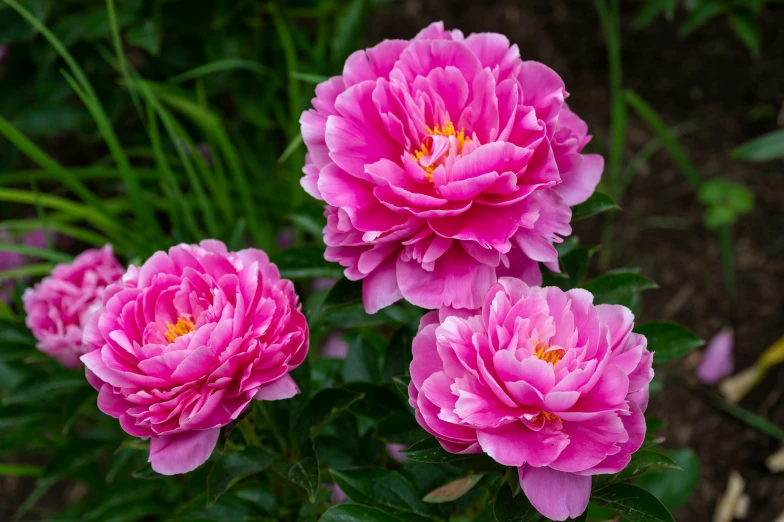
x=424, y=152
x=182, y=327
x=548, y=417
x=551, y=356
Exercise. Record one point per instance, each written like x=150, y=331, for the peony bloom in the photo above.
x=445, y=162
x=186, y=340
x=59, y=307
x=539, y=379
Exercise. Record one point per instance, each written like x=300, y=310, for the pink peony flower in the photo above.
x=445, y=162
x=186, y=340
x=59, y=307
x=539, y=379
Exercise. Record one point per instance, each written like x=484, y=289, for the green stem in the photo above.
x=611, y=27
x=608, y=231
x=246, y=427
x=610, y=20
x=727, y=261
x=272, y=426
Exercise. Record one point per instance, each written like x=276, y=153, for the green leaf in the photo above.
x=304, y=472
x=596, y=204
x=650, y=10
x=45, y=120
x=430, y=451
x=701, y=15
x=764, y=148
x=344, y=293
x=33, y=389
x=398, y=355
x=632, y=502
x=75, y=455
x=354, y=513
x=399, y=428
x=574, y=264
x=381, y=487
x=610, y=287
x=453, y=490
x=361, y=362
x=232, y=468
x=11, y=333
x=146, y=35
x=322, y=408
x=642, y=462
x=668, y=340
x=747, y=30
x=514, y=509
x=305, y=262
x=147, y=473
x=95, y=23
x=674, y=487
x=348, y=27
x=20, y=470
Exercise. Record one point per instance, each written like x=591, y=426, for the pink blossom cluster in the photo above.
x=448, y=166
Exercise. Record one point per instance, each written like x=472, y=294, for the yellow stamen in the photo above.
x=551, y=356
x=182, y=327
x=548, y=416
x=447, y=130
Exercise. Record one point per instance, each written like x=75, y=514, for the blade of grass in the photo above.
x=309, y=78
x=171, y=182
x=41, y=213
x=609, y=17
x=41, y=253
x=87, y=236
x=193, y=179
x=20, y=470
x=44, y=484
x=67, y=206
x=31, y=270
x=91, y=173
x=220, y=186
x=646, y=153
x=757, y=422
x=649, y=116
x=290, y=54
x=218, y=66
x=90, y=99
x=211, y=124
x=118, y=50
x=38, y=156
x=292, y=146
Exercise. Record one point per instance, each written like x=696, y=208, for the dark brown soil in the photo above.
x=710, y=81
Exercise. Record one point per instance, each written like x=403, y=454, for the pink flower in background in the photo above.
x=186, y=340
x=9, y=260
x=394, y=452
x=445, y=162
x=540, y=379
x=59, y=307
x=717, y=361
x=334, y=346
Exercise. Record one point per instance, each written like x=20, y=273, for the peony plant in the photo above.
x=463, y=368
